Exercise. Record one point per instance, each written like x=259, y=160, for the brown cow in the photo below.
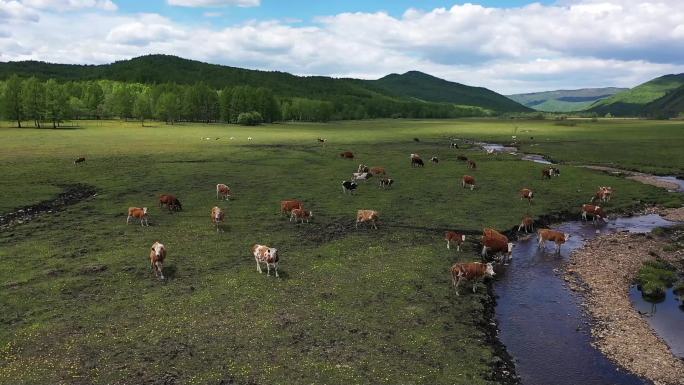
x=603, y=194
x=222, y=191
x=371, y=216
x=496, y=243
x=596, y=213
x=472, y=164
x=468, y=181
x=157, y=256
x=217, y=216
x=548, y=172
x=79, y=160
x=287, y=205
x=457, y=238
x=170, y=201
x=526, y=194
x=347, y=155
x=267, y=255
x=378, y=171
x=470, y=272
x=140, y=213
x=526, y=223
x=417, y=161
x=552, y=235
x=300, y=214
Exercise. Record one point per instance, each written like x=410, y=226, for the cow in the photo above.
x=457, y=238
x=267, y=255
x=416, y=161
x=468, y=181
x=386, y=183
x=547, y=173
x=170, y=201
x=217, y=216
x=603, y=194
x=364, y=176
x=362, y=168
x=495, y=242
x=286, y=206
x=556, y=171
x=596, y=213
x=79, y=160
x=349, y=186
x=157, y=256
x=222, y=191
x=434, y=160
x=472, y=164
x=553, y=236
x=300, y=214
x=363, y=216
x=527, y=223
x=140, y=213
x=347, y=155
x=462, y=158
x=526, y=194
x=322, y=140
x=453, y=145
x=378, y=171
x=470, y=271
x=250, y=138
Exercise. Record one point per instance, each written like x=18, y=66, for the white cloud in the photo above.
x=212, y=14
x=578, y=43
x=214, y=3
x=70, y=5
x=14, y=10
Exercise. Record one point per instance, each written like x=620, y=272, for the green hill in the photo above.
x=425, y=87
x=157, y=69
x=670, y=105
x=565, y=100
x=633, y=102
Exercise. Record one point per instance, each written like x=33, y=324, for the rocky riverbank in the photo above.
x=603, y=271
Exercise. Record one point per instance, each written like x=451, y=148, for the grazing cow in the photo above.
x=300, y=214
x=434, y=160
x=322, y=140
x=349, y=186
x=267, y=255
x=462, y=158
x=547, y=173
x=468, y=181
x=362, y=168
x=217, y=216
x=371, y=216
x=249, y=138
x=472, y=164
x=347, y=155
x=457, y=238
x=364, y=176
x=157, y=256
x=526, y=194
x=470, y=271
x=553, y=236
x=527, y=223
x=140, y=213
x=556, y=171
x=453, y=145
x=222, y=191
x=603, y=194
x=286, y=206
x=378, y=171
x=496, y=243
x=386, y=183
x=79, y=160
x=170, y=201
x=596, y=213
x=416, y=161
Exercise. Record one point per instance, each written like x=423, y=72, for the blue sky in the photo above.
x=509, y=46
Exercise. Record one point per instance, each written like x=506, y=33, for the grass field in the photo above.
x=80, y=305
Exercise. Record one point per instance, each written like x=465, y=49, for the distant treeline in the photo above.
x=52, y=101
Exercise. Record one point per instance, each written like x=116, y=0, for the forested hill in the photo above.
x=157, y=69
x=634, y=102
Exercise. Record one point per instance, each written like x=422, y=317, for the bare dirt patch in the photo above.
x=603, y=270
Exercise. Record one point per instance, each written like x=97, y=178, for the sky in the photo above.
x=510, y=46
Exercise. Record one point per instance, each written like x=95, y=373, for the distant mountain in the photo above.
x=412, y=87
x=418, y=85
x=565, y=100
x=670, y=105
x=634, y=101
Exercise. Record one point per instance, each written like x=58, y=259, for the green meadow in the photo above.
x=80, y=304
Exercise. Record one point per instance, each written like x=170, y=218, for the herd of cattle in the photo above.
x=494, y=244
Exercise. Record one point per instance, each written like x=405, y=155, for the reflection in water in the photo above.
x=665, y=317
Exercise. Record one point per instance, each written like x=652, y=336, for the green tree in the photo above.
x=93, y=98
x=33, y=98
x=12, y=101
x=251, y=118
x=122, y=101
x=167, y=107
x=142, y=108
x=56, y=102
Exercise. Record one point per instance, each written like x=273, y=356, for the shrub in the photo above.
x=654, y=278
x=249, y=118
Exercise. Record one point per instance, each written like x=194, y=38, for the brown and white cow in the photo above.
x=267, y=255
x=364, y=176
x=370, y=216
x=386, y=183
x=416, y=161
x=468, y=181
x=548, y=172
x=140, y=213
x=557, y=237
x=217, y=216
x=286, y=206
x=157, y=256
x=470, y=271
x=300, y=214
x=457, y=238
x=603, y=194
x=472, y=164
x=170, y=201
x=596, y=213
x=378, y=170
x=347, y=155
x=527, y=224
x=496, y=243
x=527, y=194
x=222, y=191
x=362, y=168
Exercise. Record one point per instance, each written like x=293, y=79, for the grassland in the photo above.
x=80, y=305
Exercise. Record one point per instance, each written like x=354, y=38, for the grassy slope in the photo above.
x=352, y=307
x=670, y=105
x=632, y=102
x=564, y=100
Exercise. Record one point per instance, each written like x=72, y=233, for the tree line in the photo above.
x=52, y=102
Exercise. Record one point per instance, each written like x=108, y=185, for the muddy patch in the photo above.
x=72, y=194
x=603, y=270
